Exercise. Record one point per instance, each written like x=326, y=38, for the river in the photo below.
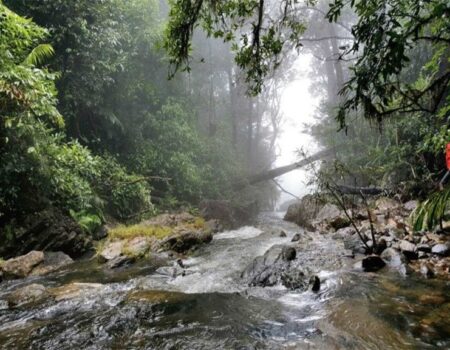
x=210, y=306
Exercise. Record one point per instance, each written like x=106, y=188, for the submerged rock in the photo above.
x=75, y=290
x=296, y=237
x=289, y=253
x=294, y=279
x=21, y=266
x=29, y=294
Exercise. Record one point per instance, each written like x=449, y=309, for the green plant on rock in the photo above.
x=87, y=221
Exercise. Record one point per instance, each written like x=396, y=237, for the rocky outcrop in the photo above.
x=48, y=230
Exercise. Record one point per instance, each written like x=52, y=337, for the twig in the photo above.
x=342, y=205
x=282, y=189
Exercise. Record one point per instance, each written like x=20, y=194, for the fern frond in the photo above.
x=429, y=212
x=39, y=54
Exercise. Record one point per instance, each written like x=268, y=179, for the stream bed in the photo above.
x=210, y=307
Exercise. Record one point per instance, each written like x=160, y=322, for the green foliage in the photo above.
x=430, y=212
x=386, y=34
x=39, y=168
x=126, y=195
x=88, y=222
x=39, y=54
x=257, y=41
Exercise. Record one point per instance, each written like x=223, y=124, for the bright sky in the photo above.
x=298, y=107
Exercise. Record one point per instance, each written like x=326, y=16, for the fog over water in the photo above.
x=298, y=105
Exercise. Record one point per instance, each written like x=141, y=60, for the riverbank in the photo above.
x=379, y=234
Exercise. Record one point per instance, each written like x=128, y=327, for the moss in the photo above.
x=199, y=223
x=129, y=232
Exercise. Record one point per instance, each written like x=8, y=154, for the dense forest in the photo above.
x=92, y=126
x=129, y=128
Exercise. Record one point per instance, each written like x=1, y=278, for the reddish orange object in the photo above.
x=447, y=155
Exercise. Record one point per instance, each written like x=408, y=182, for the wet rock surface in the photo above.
x=31, y=293
x=52, y=262
x=276, y=267
x=21, y=266
x=304, y=212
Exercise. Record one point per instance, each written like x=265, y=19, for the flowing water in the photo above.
x=211, y=307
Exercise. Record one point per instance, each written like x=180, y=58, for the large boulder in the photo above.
x=183, y=241
x=52, y=261
x=21, y=266
x=275, y=267
x=396, y=260
x=303, y=212
x=330, y=216
x=48, y=230
x=111, y=250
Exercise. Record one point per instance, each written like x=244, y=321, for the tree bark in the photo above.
x=273, y=173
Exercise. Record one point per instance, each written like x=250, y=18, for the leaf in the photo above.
x=39, y=54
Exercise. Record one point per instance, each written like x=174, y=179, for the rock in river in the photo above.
x=28, y=294
x=296, y=237
x=275, y=267
x=372, y=263
x=21, y=266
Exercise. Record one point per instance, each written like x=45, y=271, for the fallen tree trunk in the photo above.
x=274, y=173
x=372, y=191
